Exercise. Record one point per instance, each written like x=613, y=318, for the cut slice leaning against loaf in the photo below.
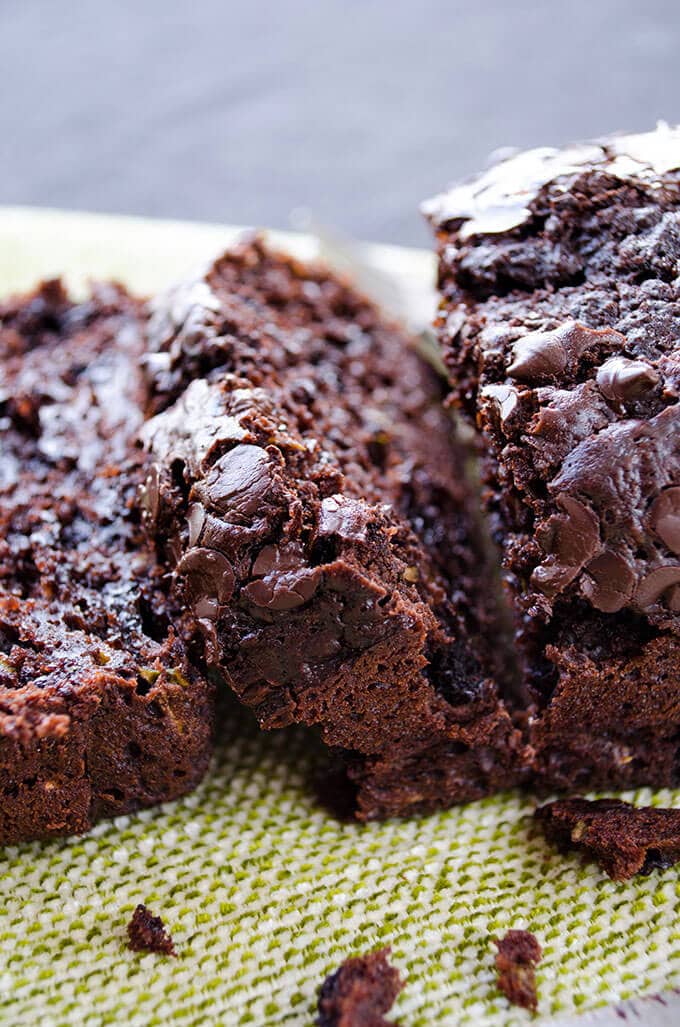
x=308, y=491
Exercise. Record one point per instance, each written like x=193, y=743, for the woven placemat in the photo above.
x=265, y=893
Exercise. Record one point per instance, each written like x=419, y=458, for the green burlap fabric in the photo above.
x=264, y=892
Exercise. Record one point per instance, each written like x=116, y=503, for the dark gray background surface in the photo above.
x=356, y=109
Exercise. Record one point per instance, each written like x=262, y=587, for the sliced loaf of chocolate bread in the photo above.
x=560, y=323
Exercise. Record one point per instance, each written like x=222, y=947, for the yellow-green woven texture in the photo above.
x=263, y=891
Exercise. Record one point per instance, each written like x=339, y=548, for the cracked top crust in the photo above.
x=562, y=329
x=501, y=197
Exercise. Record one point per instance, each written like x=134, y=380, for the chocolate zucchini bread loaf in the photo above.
x=307, y=488
x=560, y=323
x=100, y=710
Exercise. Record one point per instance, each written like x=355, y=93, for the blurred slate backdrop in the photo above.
x=356, y=109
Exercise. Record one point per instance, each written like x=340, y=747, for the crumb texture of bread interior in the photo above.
x=560, y=324
x=100, y=709
x=308, y=489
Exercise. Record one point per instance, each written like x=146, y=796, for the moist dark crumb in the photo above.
x=360, y=992
x=559, y=323
x=624, y=840
x=101, y=711
x=306, y=489
x=518, y=955
x=147, y=933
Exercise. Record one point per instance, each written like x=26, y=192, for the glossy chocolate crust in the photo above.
x=100, y=709
x=308, y=490
x=560, y=323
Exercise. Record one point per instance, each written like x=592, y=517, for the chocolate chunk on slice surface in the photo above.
x=624, y=840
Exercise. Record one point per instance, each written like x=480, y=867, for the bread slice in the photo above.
x=309, y=492
x=101, y=711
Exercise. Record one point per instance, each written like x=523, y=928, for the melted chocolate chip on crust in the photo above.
x=620, y=379
x=664, y=518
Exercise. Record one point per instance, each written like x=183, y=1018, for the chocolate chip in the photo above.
x=664, y=518
x=505, y=399
x=620, y=379
x=570, y=540
x=343, y=517
x=278, y=558
x=213, y=652
x=537, y=356
x=238, y=482
x=542, y=356
x=653, y=586
x=195, y=519
x=221, y=535
x=150, y=495
x=207, y=607
x=608, y=582
x=208, y=575
x=284, y=591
